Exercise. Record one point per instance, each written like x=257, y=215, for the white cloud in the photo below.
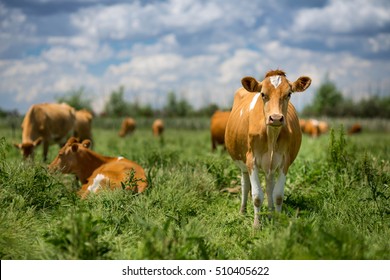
x=342, y=17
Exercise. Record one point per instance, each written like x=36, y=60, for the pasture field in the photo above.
x=336, y=203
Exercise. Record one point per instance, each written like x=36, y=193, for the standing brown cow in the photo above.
x=47, y=123
x=127, y=127
x=83, y=126
x=263, y=133
x=218, y=123
x=158, y=127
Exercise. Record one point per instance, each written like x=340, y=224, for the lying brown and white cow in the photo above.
x=83, y=125
x=96, y=171
x=218, y=123
x=127, y=127
x=47, y=123
x=263, y=133
x=158, y=127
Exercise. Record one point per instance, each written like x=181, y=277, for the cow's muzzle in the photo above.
x=275, y=120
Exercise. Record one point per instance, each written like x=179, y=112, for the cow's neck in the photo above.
x=88, y=163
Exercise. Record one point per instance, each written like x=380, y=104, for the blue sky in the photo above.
x=198, y=48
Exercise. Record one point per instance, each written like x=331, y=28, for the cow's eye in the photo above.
x=264, y=96
x=288, y=95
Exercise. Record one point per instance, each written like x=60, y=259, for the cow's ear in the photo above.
x=38, y=141
x=86, y=143
x=75, y=147
x=301, y=84
x=19, y=146
x=251, y=84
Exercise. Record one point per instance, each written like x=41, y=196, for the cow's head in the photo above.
x=67, y=159
x=27, y=148
x=275, y=91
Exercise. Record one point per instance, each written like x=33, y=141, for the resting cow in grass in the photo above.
x=263, y=132
x=96, y=171
x=48, y=123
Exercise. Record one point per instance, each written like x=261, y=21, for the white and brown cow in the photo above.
x=263, y=132
x=48, y=123
x=96, y=171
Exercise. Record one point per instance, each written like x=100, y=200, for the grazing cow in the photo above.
x=313, y=128
x=96, y=171
x=83, y=125
x=47, y=123
x=263, y=133
x=310, y=127
x=127, y=127
x=355, y=128
x=217, y=128
x=323, y=127
x=158, y=127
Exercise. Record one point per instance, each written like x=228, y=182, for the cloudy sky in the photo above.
x=199, y=49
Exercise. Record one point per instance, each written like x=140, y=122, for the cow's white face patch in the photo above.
x=254, y=100
x=275, y=80
x=119, y=158
x=96, y=183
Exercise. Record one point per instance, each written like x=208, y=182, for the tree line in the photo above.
x=328, y=101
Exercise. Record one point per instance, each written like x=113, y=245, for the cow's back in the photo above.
x=49, y=120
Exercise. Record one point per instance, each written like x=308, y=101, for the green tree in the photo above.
x=174, y=107
x=116, y=105
x=76, y=99
x=328, y=101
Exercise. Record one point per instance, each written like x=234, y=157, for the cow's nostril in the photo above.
x=276, y=119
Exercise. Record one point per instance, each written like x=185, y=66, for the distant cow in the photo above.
x=47, y=123
x=313, y=128
x=96, y=171
x=83, y=125
x=127, y=127
x=158, y=127
x=263, y=133
x=218, y=123
x=355, y=128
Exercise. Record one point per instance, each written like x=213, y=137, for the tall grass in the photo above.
x=336, y=203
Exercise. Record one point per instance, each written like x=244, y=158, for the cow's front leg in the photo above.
x=279, y=191
x=45, y=150
x=245, y=187
x=257, y=194
x=270, y=189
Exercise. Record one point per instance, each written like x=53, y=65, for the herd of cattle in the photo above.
x=261, y=132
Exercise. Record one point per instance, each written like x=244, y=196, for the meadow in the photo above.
x=336, y=202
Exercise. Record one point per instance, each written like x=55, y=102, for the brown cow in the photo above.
x=96, y=171
x=158, y=127
x=217, y=128
x=313, y=128
x=83, y=125
x=263, y=133
x=127, y=127
x=355, y=128
x=47, y=123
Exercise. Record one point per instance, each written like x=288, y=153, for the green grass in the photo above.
x=336, y=203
